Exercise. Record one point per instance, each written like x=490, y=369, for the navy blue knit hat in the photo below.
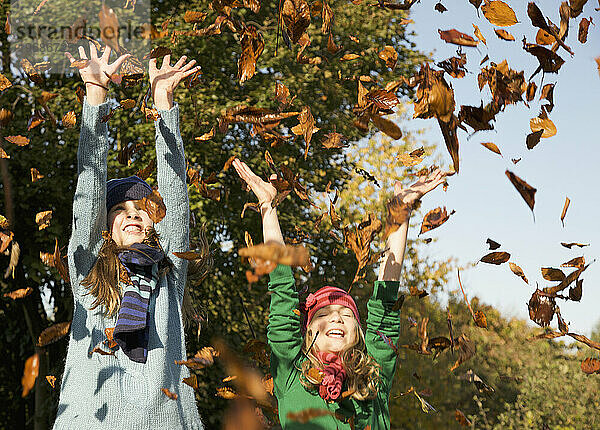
x=123, y=189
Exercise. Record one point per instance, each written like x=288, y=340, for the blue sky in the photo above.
x=565, y=165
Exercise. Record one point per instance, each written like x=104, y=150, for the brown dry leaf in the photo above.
x=253, y=44
x=6, y=117
x=69, y=120
x=206, y=136
x=192, y=381
x=562, y=325
x=533, y=139
x=457, y=38
x=282, y=93
x=42, y=219
x=188, y=255
x=54, y=333
x=349, y=57
x=314, y=376
x=59, y=264
x=551, y=274
x=154, y=206
x=578, y=262
x=4, y=83
x=359, y=241
x=590, y=365
x=169, y=394
x=109, y=26
x=541, y=308
x=35, y=175
x=478, y=34
x=583, y=29
x=161, y=51
x=203, y=358
x=30, y=373
x=544, y=38
x=305, y=127
x=332, y=48
x=571, y=244
x=36, y=119
x=581, y=338
x=259, y=351
x=51, y=380
x=497, y=257
x=526, y=190
x=493, y=244
x=306, y=415
x=229, y=378
x=466, y=350
x=492, y=147
x=397, y=214
x=17, y=140
x=504, y=35
x=518, y=271
x=413, y=158
x=499, y=13
x=547, y=93
x=455, y=66
x=542, y=122
x=506, y=85
x=296, y=17
x=434, y=218
x=386, y=126
x=31, y=72
x=422, y=333
x=5, y=240
x=19, y=294
x=99, y=350
x=435, y=98
x=550, y=62
x=564, y=211
x=334, y=140
x=276, y=253
x=462, y=419
x=389, y=55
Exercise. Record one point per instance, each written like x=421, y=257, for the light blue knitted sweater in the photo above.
x=113, y=392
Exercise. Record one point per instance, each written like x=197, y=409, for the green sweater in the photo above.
x=285, y=340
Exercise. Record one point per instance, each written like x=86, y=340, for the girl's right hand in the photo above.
x=97, y=73
x=264, y=191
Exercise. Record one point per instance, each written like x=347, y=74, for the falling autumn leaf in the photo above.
x=54, y=333
x=42, y=219
x=462, y=418
x=564, y=210
x=526, y=190
x=4, y=83
x=69, y=119
x=542, y=122
x=590, y=365
x=17, y=140
x=571, y=244
x=389, y=55
x=296, y=17
x=533, y=139
x=154, y=206
x=583, y=29
x=19, y=294
x=35, y=175
x=518, y=271
x=457, y=38
x=543, y=37
x=497, y=257
x=492, y=244
x=504, y=35
x=499, y=13
x=492, y=147
x=434, y=218
x=478, y=34
x=551, y=274
x=169, y=394
x=51, y=380
x=541, y=308
x=282, y=254
x=30, y=374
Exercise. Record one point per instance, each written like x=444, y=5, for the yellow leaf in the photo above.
x=545, y=124
x=499, y=13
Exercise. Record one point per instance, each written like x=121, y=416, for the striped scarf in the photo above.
x=138, y=278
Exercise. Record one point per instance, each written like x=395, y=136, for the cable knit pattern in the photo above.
x=113, y=392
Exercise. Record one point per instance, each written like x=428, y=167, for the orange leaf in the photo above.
x=18, y=140
x=30, y=373
x=169, y=394
x=54, y=333
x=499, y=13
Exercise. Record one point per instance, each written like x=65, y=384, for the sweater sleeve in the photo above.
x=89, y=203
x=381, y=318
x=283, y=330
x=170, y=159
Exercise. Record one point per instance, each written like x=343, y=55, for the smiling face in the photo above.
x=337, y=328
x=128, y=223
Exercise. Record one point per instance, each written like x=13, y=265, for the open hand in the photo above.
x=97, y=71
x=168, y=77
x=423, y=185
x=264, y=191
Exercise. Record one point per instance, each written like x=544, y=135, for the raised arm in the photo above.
x=283, y=330
x=382, y=319
x=170, y=158
x=89, y=204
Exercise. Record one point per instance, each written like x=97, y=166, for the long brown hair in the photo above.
x=103, y=280
x=362, y=371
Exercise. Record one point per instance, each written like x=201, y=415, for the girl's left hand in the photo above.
x=165, y=80
x=421, y=187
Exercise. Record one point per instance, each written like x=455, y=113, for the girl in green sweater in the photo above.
x=321, y=359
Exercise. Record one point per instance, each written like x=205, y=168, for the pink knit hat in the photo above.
x=327, y=296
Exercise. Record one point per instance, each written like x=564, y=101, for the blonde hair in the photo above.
x=362, y=371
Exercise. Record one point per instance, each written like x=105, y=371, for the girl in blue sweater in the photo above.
x=120, y=275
